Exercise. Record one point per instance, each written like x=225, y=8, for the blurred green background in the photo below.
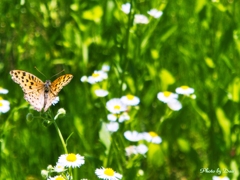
x=194, y=43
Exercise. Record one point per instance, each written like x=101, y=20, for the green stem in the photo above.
x=63, y=142
x=61, y=137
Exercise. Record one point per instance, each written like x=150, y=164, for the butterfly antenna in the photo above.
x=40, y=71
x=58, y=73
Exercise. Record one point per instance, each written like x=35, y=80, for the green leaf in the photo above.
x=225, y=124
x=155, y=155
x=184, y=145
x=209, y=62
x=199, y=5
x=105, y=137
x=166, y=78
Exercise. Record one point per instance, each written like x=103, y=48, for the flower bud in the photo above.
x=29, y=117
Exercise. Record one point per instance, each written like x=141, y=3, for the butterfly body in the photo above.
x=39, y=94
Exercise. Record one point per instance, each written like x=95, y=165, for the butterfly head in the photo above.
x=47, y=85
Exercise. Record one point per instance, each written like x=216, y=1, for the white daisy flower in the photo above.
x=71, y=160
x=105, y=68
x=126, y=8
x=174, y=104
x=107, y=174
x=123, y=117
x=101, y=92
x=142, y=149
x=130, y=150
x=59, y=168
x=152, y=137
x=115, y=106
x=166, y=96
x=58, y=177
x=140, y=19
x=220, y=178
x=155, y=13
x=97, y=76
x=4, y=105
x=130, y=100
x=133, y=136
x=112, y=117
x=186, y=90
x=3, y=91
x=84, y=79
x=55, y=101
x=112, y=126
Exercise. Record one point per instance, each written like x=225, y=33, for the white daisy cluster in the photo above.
x=171, y=99
x=139, y=149
x=140, y=18
x=65, y=162
x=135, y=136
x=119, y=108
x=97, y=77
x=72, y=160
x=4, y=104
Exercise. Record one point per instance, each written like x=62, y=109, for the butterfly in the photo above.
x=39, y=94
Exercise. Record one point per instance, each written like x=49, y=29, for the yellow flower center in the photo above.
x=1, y=104
x=117, y=107
x=221, y=177
x=130, y=97
x=95, y=75
x=1, y=98
x=167, y=93
x=109, y=172
x=184, y=87
x=71, y=157
x=153, y=134
x=59, y=178
x=59, y=167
